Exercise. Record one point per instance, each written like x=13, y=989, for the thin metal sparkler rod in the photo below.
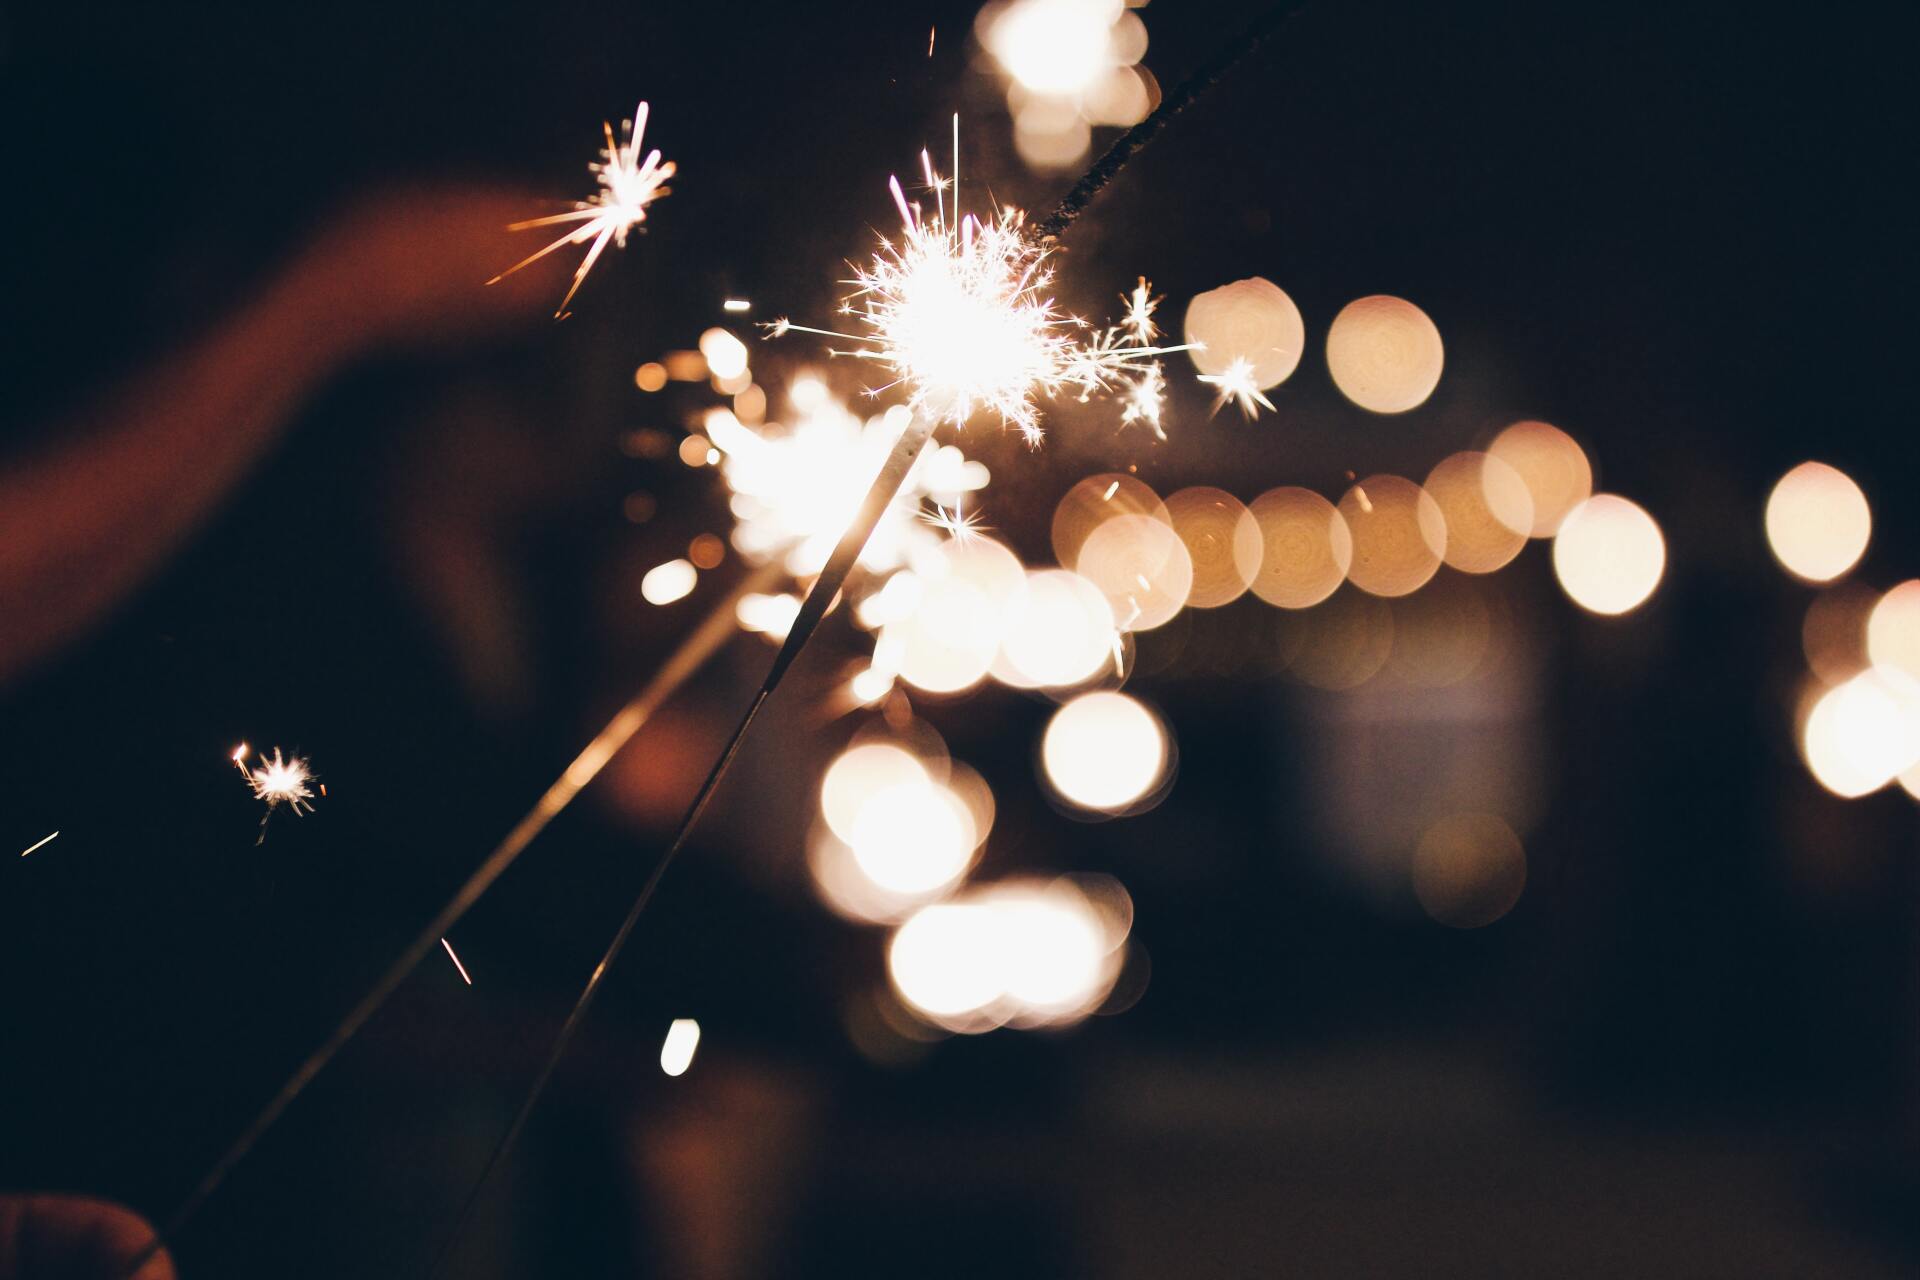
x=1182, y=96
x=825, y=589
x=693, y=652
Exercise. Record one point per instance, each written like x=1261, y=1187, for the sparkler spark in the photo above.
x=958, y=310
x=1237, y=384
x=36, y=844
x=960, y=525
x=281, y=781
x=456, y=961
x=628, y=184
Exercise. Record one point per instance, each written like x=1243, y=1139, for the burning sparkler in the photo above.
x=628, y=184
x=279, y=780
x=958, y=310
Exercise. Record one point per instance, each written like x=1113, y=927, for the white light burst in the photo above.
x=281, y=781
x=628, y=184
x=1237, y=384
x=958, y=310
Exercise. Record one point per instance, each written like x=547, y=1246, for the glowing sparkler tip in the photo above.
x=283, y=781
x=628, y=184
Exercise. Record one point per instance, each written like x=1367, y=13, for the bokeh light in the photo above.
x=1018, y=953
x=665, y=583
x=1834, y=633
x=1399, y=535
x=913, y=838
x=676, y=1051
x=1551, y=465
x=1223, y=542
x=1094, y=501
x=1059, y=48
x=1487, y=509
x=1250, y=320
x=1063, y=635
x=1863, y=733
x=1609, y=555
x=1104, y=751
x=725, y=354
x=858, y=774
x=1469, y=870
x=1893, y=630
x=1306, y=547
x=1385, y=355
x=1818, y=522
x=1342, y=644
x=970, y=592
x=1141, y=566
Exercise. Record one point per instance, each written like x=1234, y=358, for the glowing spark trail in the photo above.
x=456, y=961
x=30, y=848
x=958, y=310
x=628, y=184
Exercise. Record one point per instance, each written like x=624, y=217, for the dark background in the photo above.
x=1677, y=231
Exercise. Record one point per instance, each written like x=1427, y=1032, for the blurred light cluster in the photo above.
x=901, y=826
x=1069, y=65
x=1017, y=953
x=1859, y=713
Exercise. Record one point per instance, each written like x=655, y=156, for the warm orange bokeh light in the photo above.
x=1554, y=469
x=1223, y=541
x=1306, y=547
x=1487, y=509
x=1385, y=355
x=1399, y=535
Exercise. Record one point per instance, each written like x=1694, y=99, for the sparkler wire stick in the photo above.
x=1182, y=96
x=812, y=610
x=705, y=640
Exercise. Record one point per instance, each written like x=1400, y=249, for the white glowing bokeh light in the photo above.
x=970, y=593
x=726, y=355
x=860, y=773
x=1893, y=630
x=913, y=838
x=676, y=1052
x=1104, y=752
x=1063, y=635
x=1022, y=954
x=1818, y=522
x=1609, y=555
x=1059, y=48
x=665, y=583
x=1863, y=733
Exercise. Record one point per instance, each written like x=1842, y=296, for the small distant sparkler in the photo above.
x=958, y=310
x=1236, y=383
x=278, y=780
x=36, y=844
x=628, y=184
